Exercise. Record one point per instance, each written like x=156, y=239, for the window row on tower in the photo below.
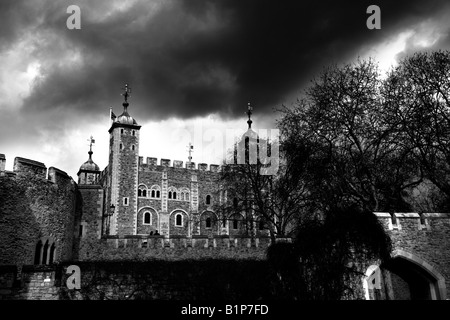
x=154, y=192
x=175, y=194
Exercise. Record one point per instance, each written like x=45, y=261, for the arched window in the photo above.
x=235, y=202
x=179, y=220
x=158, y=194
x=121, y=131
x=153, y=193
x=120, y=146
x=170, y=194
x=37, y=253
x=52, y=253
x=261, y=225
x=174, y=194
x=147, y=218
x=132, y=147
x=235, y=224
x=133, y=132
x=224, y=222
x=142, y=191
x=208, y=199
x=208, y=222
x=44, y=253
x=187, y=196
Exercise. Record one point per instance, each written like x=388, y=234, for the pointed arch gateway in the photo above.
x=404, y=277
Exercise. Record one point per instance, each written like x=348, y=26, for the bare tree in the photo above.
x=271, y=202
x=358, y=154
x=417, y=97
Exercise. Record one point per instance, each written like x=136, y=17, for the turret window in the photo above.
x=133, y=132
x=208, y=199
x=132, y=147
x=44, y=254
x=184, y=194
x=142, y=191
x=172, y=193
x=121, y=146
x=125, y=201
x=155, y=191
x=179, y=220
x=37, y=254
x=121, y=131
x=147, y=218
x=261, y=225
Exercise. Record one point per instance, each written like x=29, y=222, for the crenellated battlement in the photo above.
x=412, y=220
x=142, y=247
x=23, y=166
x=150, y=161
x=201, y=241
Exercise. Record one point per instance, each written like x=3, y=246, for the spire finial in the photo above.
x=127, y=92
x=91, y=142
x=249, y=113
x=190, y=150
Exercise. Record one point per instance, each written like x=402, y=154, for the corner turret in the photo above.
x=89, y=171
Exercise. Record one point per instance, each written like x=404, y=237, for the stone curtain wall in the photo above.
x=35, y=206
x=179, y=280
x=91, y=216
x=140, y=248
x=426, y=237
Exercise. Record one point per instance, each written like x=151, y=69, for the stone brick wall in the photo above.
x=35, y=207
x=200, y=183
x=91, y=218
x=168, y=280
x=425, y=236
x=142, y=248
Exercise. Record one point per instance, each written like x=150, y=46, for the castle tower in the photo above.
x=88, y=223
x=89, y=171
x=247, y=148
x=123, y=172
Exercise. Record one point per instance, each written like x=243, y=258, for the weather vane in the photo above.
x=91, y=142
x=190, y=150
x=127, y=92
x=249, y=113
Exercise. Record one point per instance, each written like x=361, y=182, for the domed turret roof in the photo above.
x=250, y=133
x=125, y=118
x=89, y=165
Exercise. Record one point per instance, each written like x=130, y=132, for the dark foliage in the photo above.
x=187, y=279
x=326, y=255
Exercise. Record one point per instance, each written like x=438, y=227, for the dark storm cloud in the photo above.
x=191, y=58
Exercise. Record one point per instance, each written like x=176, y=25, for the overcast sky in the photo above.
x=192, y=65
